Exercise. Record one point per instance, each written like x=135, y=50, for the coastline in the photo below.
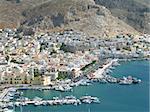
x=110, y=94
x=134, y=59
x=40, y=87
x=39, y=91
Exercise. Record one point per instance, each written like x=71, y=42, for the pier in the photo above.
x=5, y=92
x=99, y=73
x=68, y=100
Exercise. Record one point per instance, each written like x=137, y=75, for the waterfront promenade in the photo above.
x=99, y=73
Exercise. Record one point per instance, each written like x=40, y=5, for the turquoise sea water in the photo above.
x=114, y=97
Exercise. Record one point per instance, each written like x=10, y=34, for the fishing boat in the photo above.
x=89, y=99
x=37, y=103
x=129, y=80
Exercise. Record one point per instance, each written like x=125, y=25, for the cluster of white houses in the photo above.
x=43, y=58
x=68, y=64
x=22, y=62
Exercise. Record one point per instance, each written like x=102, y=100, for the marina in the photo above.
x=8, y=96
x=74, y=56
x=67, y=100
x=109, y=94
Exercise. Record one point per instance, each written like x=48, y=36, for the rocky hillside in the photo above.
x=11, y=11
x=136, y=13
x=83, y=15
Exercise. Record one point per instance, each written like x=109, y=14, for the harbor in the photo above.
x=7, y=100
x=68, y=100
x=74, y=56
x=112, y=93
x=94, y=83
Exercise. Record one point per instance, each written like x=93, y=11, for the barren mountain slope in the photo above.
x=136, y=13
x=83, y=15
x=11, y=11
